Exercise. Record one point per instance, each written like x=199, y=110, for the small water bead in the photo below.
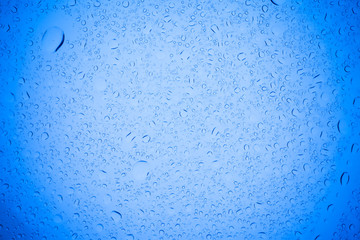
x=99, y=227
x=125, y=4
x=44, y=136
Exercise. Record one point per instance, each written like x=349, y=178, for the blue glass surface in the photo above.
x=179, y=119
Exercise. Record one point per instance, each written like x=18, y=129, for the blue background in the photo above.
x=179, y=119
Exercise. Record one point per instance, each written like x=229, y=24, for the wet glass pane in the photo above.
x=179, y=119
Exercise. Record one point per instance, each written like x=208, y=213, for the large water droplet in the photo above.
x=140, y=170
x=53, y=39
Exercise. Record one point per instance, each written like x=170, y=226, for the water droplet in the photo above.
x=264, y=8
x=99, y=227
x=97, y=4
x=125, y=4
x=116, y=216
x=44, y=136
x=140, y=170
x=130, y=236
x=52, y=39
x=344, y=178
x=146, y=138
x=277, y=2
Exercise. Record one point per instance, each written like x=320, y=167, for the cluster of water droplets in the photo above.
x=179, y=120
